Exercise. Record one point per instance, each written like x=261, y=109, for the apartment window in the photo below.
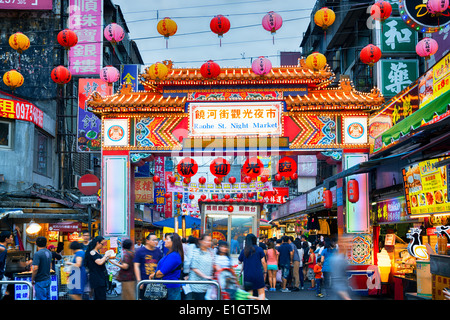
x=42, y=153
x=6, y=134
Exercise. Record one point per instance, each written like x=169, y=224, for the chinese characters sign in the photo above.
x=89, y=125
x=26, y=4
x=143, y=189
x=426, y=188
x=397, y=75
x=234, y=119
x=392, y=210
x=160, y=188
x=21, y=110
x=219, y=208
x=435, y=82
x=86, y=20
x=397, y=37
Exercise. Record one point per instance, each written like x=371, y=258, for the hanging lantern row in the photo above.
x=19, y=42
x=13, y=79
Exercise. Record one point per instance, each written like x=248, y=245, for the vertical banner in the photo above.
x=357, y=214
x=129, y=75
x=89, y=134
x=397, y=75
x=115, y=191
x=86, y=20
x=160, y=185
x=168, y=209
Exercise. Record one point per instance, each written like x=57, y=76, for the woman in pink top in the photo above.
x=272, y=265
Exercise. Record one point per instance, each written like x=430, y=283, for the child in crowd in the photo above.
x=318, y=278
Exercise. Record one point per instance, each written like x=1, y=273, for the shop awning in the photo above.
x=435, y=108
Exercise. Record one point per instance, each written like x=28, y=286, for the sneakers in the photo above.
x=320, y=295
x=272, y=289
x=285, y=290
x=296, y=289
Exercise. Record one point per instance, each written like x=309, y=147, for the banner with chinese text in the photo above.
x=143, y=189
x=397, y=75
x=21, y=110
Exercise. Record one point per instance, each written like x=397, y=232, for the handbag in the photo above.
x=155, y=291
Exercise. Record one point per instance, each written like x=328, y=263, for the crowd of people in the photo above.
x=294, y=264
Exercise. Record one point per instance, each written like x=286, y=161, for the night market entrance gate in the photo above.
x=289, y=112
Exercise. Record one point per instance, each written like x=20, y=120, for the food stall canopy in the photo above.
x=191, y=223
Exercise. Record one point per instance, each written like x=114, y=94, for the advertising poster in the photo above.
x=391, y=211
x=89, y=135
x=435, y=81
x=426, y=188
x=143, y=189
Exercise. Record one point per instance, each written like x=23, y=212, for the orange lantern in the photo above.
x=327, y=199
x=19, y=42
x=316, y=61
x=158, y=71
x=13, y=79
x=353, y=190
x=324, y=18
x=167, y=27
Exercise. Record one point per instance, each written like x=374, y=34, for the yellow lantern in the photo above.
x=13, y=79
x=158, y=71
x=316, y=61
x=324, y=18
x=167, y=27
x=19, y=42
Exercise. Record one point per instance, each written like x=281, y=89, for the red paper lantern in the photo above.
x=263, y=194
x=264, y=179
x=253, y=167
x=172, y=179
x=210, y=70
x=220, y=167
x=239, y=195
x=215, y=196
x=187, y=167
x=328, y=199
x=191, y=196
x=247, y=179
x=232, y=180
x=203, y=197
x=61, y=75
x=217, y=180
x=286, y=167
x=180, y=196
x=168, y=195
x=220, y=25
x=202, y=180
x=381, y=10
x=250, y=195
x=67, y=38
x=353, y=190
x=294, y=176
x=230, y=208
x=370, y=54
x=226, y=196
x=187, y=180
x=156, y=179
x=278, y=177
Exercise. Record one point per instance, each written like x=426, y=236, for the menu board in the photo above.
x=435, y=81
x=426, y=187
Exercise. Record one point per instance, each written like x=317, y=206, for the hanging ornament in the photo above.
x=191, y=196
x=19, y=42
x=381, y=10
x=167, y=27
x=316, y=61
x=253, y=167
x=437, y=7
x=13, y=79
x=286, y=167
x=217, y=180
x=264, y=179
x=172, y=179
x=187, y=167
x=67, y=38
x=110, y=74
x=180, y=196
x=158, y=71
x=156, y=179
x=232, y=180
x=113, y=33
x=187, y=180
x=167, y=195
x=61, y=75
x=220, y=167
x=427, y=47
x=210, y=70
x=261, y=66
x=202, y=180
x=247, y=179
x=324, y=18
x=203, y=196
x=220, y=25
x=230, y=208
x=272, y=22
x=370, y=54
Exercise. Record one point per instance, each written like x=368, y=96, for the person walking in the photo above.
x=295, y=266
x=310, y=265
x=285, y=261
x=318, y=278
x=6, y=238
x=146, y=260
x=253, y=259
x=222, y=259
x=272, y=265
x=327, y=253
x=40, y=270
x=96, y=266
x=78, y=277
x=169, y=267
x=201, y=267
x=298, y=245
x=126, y=274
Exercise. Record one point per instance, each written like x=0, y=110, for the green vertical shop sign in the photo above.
x=397, y=75
x=396, y=37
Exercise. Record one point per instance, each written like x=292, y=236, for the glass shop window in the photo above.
x=6, y=134
x=42, y=154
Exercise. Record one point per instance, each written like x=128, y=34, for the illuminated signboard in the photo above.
x=435, y=81
x=20, y=110
x=417, y=17
x=392, y=210
x=232, y=119
x=426, y=188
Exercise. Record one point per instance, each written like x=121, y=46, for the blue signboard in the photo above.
x=129, y=75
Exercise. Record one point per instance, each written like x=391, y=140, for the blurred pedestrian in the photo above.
x=77, y=279
x=310, y=265
x=201, y=267
x=285, y=261
x=272, y=265
x=223, y=258
x=300, y=251
x=145, y=261
x=192, y=242
x=338, y=265
x=234, y=246
x=253, y=259
x=96, y=266
x=6, y=238
x=126, y=275
x=318, y=278
x=55, y=256
x=169, y=267
x=327, y=253
x=41, y=265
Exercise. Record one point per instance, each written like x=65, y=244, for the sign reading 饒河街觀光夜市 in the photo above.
x=235, y=118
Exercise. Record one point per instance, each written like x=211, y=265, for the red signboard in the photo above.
x=89, y=184
x=65, y=227
x=278, y=197
x=21, y=110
